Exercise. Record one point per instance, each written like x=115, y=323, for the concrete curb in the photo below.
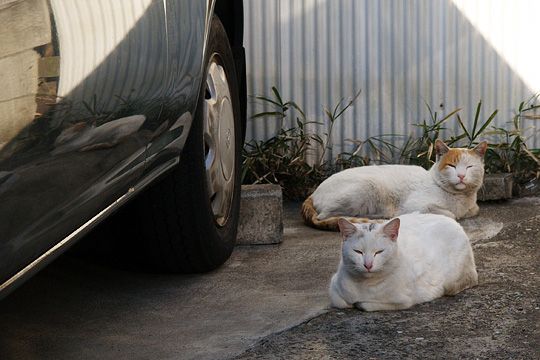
x=261, y=215
x=261, y=208
x=496, y=187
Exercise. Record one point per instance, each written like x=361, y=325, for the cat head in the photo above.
x=367, y=247
x=458, y=169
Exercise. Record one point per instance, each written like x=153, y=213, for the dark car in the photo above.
x=131, y=111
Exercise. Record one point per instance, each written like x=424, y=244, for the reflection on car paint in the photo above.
x=83, y=136
x=74, y=140
x=175, y=137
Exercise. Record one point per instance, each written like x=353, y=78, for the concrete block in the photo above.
x=261, y=215
x=496, y=187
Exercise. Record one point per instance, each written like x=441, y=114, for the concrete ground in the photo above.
x=270, y=302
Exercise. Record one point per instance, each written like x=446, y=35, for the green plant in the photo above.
x=282, y=158
x=471, y=135
x=420, y=150
x=338, y=111
x=374, y=149
x=509, y=151
x=295, y=157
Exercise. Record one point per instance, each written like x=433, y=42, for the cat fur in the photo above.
x=311, y=218
x=424, y=257
x=386, y=191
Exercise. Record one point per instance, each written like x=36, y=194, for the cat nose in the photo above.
x=368, y=266
x=460, y=176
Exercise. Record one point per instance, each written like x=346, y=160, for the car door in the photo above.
x=186, y=23
x=82, y=98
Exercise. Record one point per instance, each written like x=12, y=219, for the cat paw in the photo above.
x=440, y=211
x=472, y=211
x=377, y=306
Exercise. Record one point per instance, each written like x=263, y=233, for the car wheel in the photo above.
x=187, y=221
x=207, y=183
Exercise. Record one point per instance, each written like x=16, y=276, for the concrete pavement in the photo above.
x=498, y=319
x=271, y=302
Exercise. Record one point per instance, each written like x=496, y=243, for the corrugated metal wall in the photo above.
x=128, y=28
x=400, y=53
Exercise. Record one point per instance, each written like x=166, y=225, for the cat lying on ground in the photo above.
x=449, y=188
x=406, y=261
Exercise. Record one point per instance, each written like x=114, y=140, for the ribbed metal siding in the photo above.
x=401, y=54
x=132, y=29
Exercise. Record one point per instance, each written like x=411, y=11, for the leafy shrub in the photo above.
x=295, y=157
x=509, y=151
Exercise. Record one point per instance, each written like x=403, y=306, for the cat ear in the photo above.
x=441, y=148
x=391, y=229
x=481, y=148
x=346, y=228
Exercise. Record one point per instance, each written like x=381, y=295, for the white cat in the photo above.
x=449, y=188
x=406, y=261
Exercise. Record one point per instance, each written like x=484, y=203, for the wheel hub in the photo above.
x=219, y=141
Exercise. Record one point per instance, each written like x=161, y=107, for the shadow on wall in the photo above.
x=401, y=54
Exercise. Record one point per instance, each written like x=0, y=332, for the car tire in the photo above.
x=187, y=221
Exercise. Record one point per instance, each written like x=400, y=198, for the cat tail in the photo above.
x=310, y=216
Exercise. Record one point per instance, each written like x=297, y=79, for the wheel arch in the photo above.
x=231, y=14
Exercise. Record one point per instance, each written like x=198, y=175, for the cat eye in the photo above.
x=378, y=252
x=453, y=166
x=358, y=251
x=470, y=166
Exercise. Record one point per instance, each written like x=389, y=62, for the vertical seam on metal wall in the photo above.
x=379, y=68
x=418, y=64
x=341, y=66
x=430, y=47
x=406, y=107
x=304, y=50
x=329, y=67
x=469, y=76
x=367, y=119
x=443, y=62
x=354, y=62
x=264, y=60
x=456, y=64
x=392, y=95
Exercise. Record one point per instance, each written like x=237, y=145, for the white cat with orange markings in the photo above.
x=449, y=188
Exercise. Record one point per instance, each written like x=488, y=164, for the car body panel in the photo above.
x=111, y=99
